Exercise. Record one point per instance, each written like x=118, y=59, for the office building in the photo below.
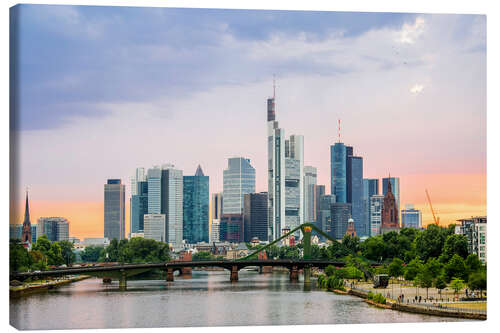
x=370, y=188
x=255, y=216
x=231, y=228
x=340, y=214
x=195, y=206
x=319, y=191
x=96, y=241
x=239, y=179
x=216, y=209
x=411, y=217
x=324, y=215
x=474, y=229
x=16, y=231
x=55, y=228
x=172, y=204
x=154, y=227
x=390, y=213
x=355, y=195
x=376, y=205
x=310, y=183
x=285, y=176
x=139, y=176
x=138, y=207
x=215, y=231
x=114, y=209
x=154, y=190
x=339, y=173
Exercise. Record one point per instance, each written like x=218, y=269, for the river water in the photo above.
x=206, y=299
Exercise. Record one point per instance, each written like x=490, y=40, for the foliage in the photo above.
x=413, y=268
x=440, y=282
x=52, y=254
x=472, y=263
x=67, y=252
x=334, y=282
x=92, y=253
x=454, y=244
x=457, y=284
x=19, y=258
x=203, y=255
x=352, y=272
x=434, y=267
x=455, y=268
x=330, y=270
x=424, y=278
x=351, y=243
x=396, y=268
x=477, y=280
x=136, y=250
x=430, y=242
x=377, y=298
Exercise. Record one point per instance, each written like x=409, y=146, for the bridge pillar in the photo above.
x=234, y=273
x=170, y=274
x=294, y=273
x=123, y=280
x=260, y=269
x=307, y=275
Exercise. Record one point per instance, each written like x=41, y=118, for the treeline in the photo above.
x=43, y=254
x=135, y=250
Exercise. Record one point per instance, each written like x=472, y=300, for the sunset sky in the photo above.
x=103, y=90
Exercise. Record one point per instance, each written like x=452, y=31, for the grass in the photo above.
x=467, y=305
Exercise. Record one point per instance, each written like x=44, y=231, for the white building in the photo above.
x=154, y=227
x=238, y=180
x=140, y=176
x=310, y=179
x=480, y=232
x=474, y=228
x=172, y=204
x=215, y=231
x=411, y=217
x=376, y=205
x=285, y=176
x=96, y=241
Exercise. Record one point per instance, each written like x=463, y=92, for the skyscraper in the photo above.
x=338, y=172
x=390, y=214
x=255, y=216
x=26, y=231
x=55, y=228
x=285, y=176
x=172, y=203
x=370, y=188
x=356, y=195
x=138, y=207
x=310, y=179
x=139, y=176
x=324, y=214
x=231, y=228
x=114, y=209
x=341, y=212
x=319, y=191
x=411, y=217
x=154, y=190
x=376, y=206
x=217, y=203
x=195, y=203
x=154, y=227
x=239, y=179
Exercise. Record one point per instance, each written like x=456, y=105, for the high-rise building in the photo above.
x=26, y=238
x=215, y=231
x=231, y=228
x=114, y=209
x=138, y=207
x=376, y=205
x=324, y=215
x=319, y=191
x=55, y=228
x=217, y=203
x=390, y=213
x=340, y=177
x=255, y=216
x=172, y=204
x=394, y=188
x=285, y=176
x=474, y=229
x=340, y=214
x=355, y=164
x=310, y=183
x=239, y=179
x=154, y=190
x=195, y=203
x=411, y=217
x=370, y=188
x=154, y=227
x=140, y=176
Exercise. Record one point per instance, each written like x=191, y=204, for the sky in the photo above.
x=100, y=91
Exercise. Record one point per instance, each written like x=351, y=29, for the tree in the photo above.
x=353, y=273
x=67, y=252
x=454, y=244
x=440, y=283
x=472, y=263
x=54, y=255
x=457, y=285
x=424, y=279
x=19, y=258
x=373, y=248
x=91, y=253
x=455, y=268
x=477, y=281
x=413, y=268
x=42, y=244
x=396, y=268
x=202, y=255
x=430, y=242
x=330, y=270
x=351, y=243
x=434, y=267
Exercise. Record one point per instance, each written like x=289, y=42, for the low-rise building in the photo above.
x=474, y=228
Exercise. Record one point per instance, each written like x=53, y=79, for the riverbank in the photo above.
x=427, y=309
x=41, y=286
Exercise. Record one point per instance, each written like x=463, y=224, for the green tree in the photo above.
x=457, y=284
x=454, y=244
x=396, y=268
x=92, y=253
x=424, y=278
x=434, y=266
x=472, y=263
x=353, y=273
x=330, y=270
x=440, y=283
x=42, y=244
x=412, y=269
x=430, y=242
x=351, y=243
x=67, y=252
x=373, y=248
x=54, y=255
x=455, y=268
x=202, y=255
x=477, y=281
x=19, y=258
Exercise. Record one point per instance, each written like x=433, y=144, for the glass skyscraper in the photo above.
x=114, y=209
x=370, y=188
x=411, y=217
x=340, y=213
x=255, y=216
x=338, y=171
x=239, y=179
x=154, y=190
x=195, y=203
x=310, y=180
x=138, y=207
x=356, y=197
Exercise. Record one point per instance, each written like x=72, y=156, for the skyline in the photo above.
x=403, y=65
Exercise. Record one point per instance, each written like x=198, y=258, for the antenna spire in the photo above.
x=274, y=86
x=339, y=130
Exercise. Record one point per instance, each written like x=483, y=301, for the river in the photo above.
x=206, y=299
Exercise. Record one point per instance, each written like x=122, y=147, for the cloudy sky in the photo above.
x=103, y=90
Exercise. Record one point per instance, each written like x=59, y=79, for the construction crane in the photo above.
x=436, y=219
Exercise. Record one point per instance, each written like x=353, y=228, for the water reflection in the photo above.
x=206, y=299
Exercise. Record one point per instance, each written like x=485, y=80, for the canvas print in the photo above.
x=245, y=167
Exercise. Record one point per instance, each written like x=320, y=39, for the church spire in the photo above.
x=26, y=234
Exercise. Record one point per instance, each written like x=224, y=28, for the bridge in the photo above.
x=122, y=271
